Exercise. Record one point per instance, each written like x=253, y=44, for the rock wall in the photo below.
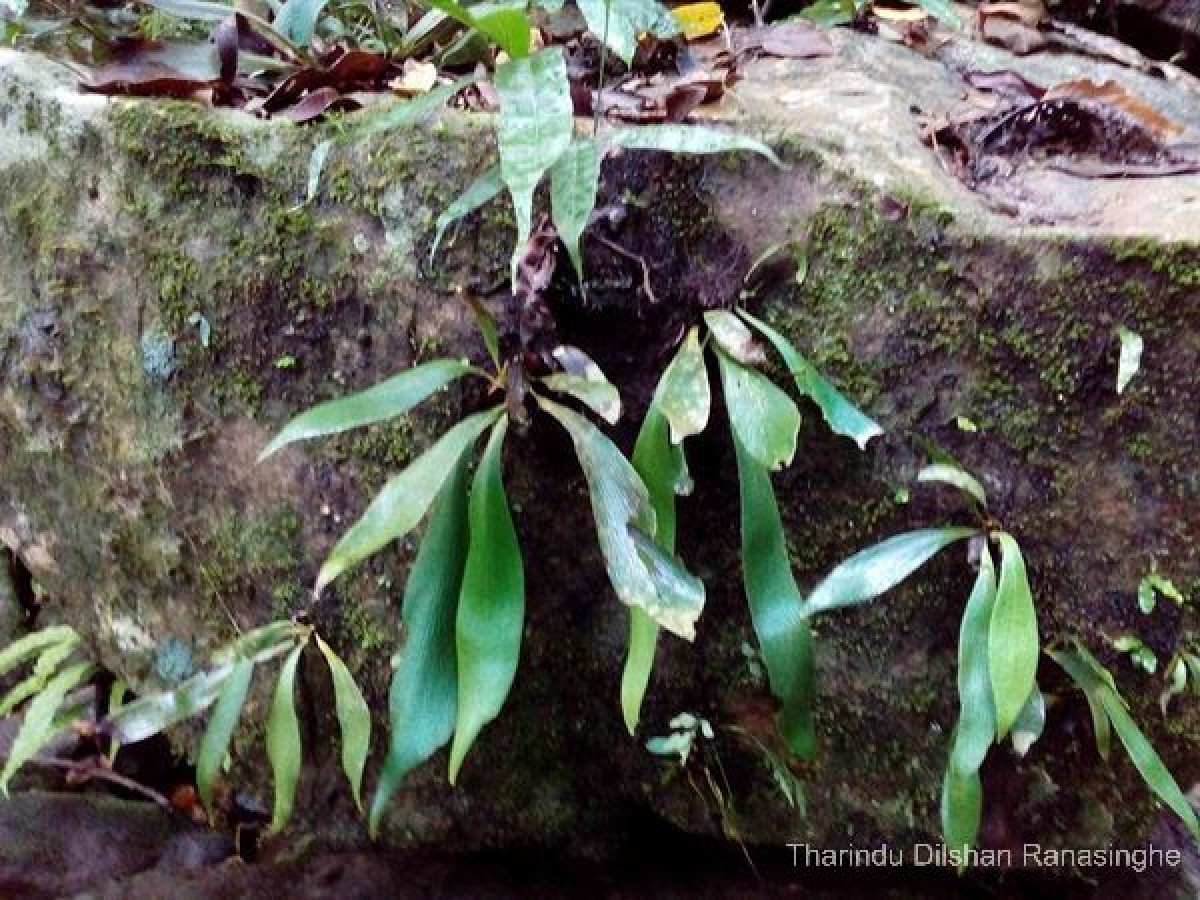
x=130, y=489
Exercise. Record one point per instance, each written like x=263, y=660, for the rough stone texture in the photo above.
x=131, y=493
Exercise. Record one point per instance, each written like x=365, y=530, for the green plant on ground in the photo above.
x=52, y=707
x=998, y=653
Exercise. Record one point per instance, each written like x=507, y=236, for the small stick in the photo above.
x=640, y=260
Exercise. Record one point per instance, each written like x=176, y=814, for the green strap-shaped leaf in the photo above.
x=26, y=648
x=600, y=396
x=734, y=337
x=283, y=741
x=764, y=418
x=683, y=395
x=423, y=701
x=491, y=608
x=1013, y=647
x=354, y=720
x=48, y=663
x=1095, y=680
x=534, y=129
x=479, y=192
x=842, y=416
x=1088, y=682
x=639, y=663
x=574, y=180
x=406, y=497
x=215, y=743
x=976, y=714
x=504, y=23
x=955, y=477
x=1030, y=723
x=297, y=19
x=620, y=22
x=38, y=726
x=261, y=639
x=393, y=397
x=689, y=139
x=962, y=809
x=868, y=573
x=621, y=504
x=154, y=713
x=776, y=607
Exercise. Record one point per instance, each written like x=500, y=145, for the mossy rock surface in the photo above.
x=132, y=495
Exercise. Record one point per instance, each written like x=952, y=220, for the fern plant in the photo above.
x=999, y=649
x=51, y=710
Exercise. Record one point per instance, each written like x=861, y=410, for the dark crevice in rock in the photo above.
x=21, y=578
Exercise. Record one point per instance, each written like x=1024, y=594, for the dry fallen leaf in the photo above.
x=1114, y=94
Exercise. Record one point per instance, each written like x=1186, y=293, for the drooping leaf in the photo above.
x=842, y=416
x=776, y=607
x=354, y=720
x=620, y=22
x=26, y=648
x=215, y=743
x=1154, y=584
x=868, y=573
x=671, y=577
x=962, y=809
x=260, y=640
x=764, y=418
x=574, y=180
x=504, y=23
x=37, y=726
x=403, y=501
x=283, y=741
x=601, y=396
x=534, y=129
x=1130, y=358
x=48, y=663
x=639, y=663
x=956, y=477
x=620, y=503
x=491, y=607
x=689, y=139
x=683, y=395
x=153, y=713
x=391, y=397
x=297, y=19
x=734, y=338
x=423, y=701
x=480, y=192
x=1030, y=723
x=1096, y=681
x=976, y=713
x=1013, y=647
x=1088, y=680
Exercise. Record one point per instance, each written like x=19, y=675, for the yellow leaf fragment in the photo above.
x=699, y=20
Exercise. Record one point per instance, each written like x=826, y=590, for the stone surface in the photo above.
x=132, y=495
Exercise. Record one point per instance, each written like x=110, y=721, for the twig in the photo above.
x=640, y=260
x=88, y=770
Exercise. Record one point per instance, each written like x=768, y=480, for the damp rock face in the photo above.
x=168, y=298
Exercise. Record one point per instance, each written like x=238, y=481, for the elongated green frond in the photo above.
x=26, y=648
x=38, y=725
x=842, y=416
x=976, y=712
x=1090, y=683
x=734, y=337
x=1086, y=672
x=423, y=701
x=48, y=663
x=639, y=663
x=683, y=395
x=764, y=418
x=689, y=139
x=354, y=720
x=215, y=743
x=393, y=397
x=491, y=607
x=479, y=192
x=621, y=504
x=868, y=573
x=574, y=180
x=264, y=639
x=534, y=129
x=776, y=607
x=1013, y=646
x=503, y=23
x=406, y=497
x=283, y=741
x=599, y=395
x=962, y=809
x=620, y=22
x=956, y=477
